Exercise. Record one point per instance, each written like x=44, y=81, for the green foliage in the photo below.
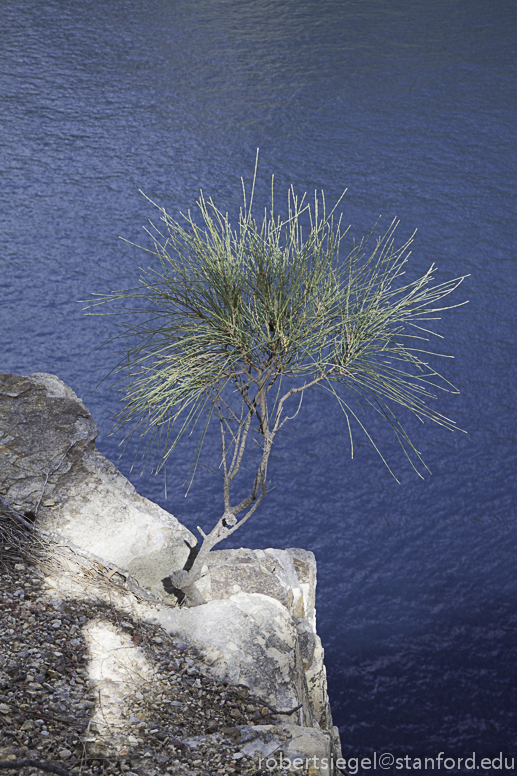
x=266, y=304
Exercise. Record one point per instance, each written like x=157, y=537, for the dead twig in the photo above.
x=275, y=711
x=17, y=534
x=14, y=515
x=49, y=767
x=49, y=474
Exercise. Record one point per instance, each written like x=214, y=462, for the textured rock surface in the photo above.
x=288, y=749
x=50, y=468
x=258, y=627
x=81, y=677
x=288, y=576
x=249, y=639
x=271, y=572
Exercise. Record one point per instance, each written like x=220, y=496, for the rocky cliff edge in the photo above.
x=258, y=627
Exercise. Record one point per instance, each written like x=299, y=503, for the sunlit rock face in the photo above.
x=258, y=625
x=286, y=576
x=51, y=469
x=271, y=572
x=249, y=639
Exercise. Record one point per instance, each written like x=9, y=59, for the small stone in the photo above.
x=64, y=753
x=4, y=709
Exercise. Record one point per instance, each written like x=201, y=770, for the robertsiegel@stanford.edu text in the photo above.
x=386, y=760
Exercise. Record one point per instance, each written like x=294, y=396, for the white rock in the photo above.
x=49, y=462
x=259, y=625
x=255, y=639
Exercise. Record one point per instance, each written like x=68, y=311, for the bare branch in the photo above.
x=49, y=767
x=253, y=508
x=292, y=391
x=238, y=436
x=260, y=478
x=240, y=451
x=223, y=443
x=292, y=417
x=15, y=516
x=49, y=473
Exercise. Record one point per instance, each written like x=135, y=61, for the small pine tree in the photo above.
x=237, y=324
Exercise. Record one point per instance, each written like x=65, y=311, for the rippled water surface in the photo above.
x=412, y=106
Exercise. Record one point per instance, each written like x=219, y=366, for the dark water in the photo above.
x=413, y=107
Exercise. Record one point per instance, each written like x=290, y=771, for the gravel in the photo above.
x=181, y=722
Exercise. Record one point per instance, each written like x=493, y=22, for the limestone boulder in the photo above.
x=289, y=577
x=249, y=639
x=52, y=473
x=271, y=572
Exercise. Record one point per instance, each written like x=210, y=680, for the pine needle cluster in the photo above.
x=236, y=323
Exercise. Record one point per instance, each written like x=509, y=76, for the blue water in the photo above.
x=413, y=107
